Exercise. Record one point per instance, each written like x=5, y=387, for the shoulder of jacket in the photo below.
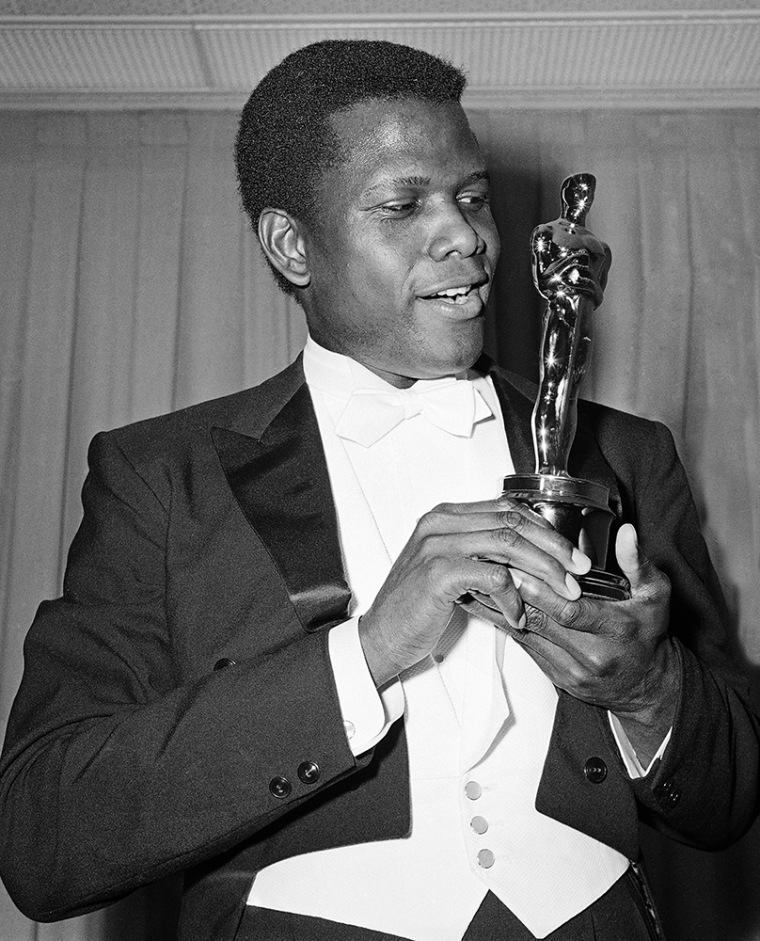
x=170, y=437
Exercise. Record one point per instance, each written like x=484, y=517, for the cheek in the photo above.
x=383, y=274
x=490, y=235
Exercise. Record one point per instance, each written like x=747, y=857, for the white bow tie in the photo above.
x=371, y=413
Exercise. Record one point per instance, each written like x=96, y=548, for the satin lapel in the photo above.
x=587, y=460
x=516, y=409
x=516, y=397
x=281, y=484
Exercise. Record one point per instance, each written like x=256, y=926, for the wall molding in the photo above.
x=663, y=60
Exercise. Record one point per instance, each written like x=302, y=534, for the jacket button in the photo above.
x=280, y=787
x=224, y=662
x=308, y=772
x=595, y=770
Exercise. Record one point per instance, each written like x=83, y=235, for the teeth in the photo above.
x=454, y=292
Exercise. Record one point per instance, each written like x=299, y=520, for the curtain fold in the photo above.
x=131, y=285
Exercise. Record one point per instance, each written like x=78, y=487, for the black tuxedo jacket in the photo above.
x=178, y=712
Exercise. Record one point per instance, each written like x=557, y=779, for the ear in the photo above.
x=284, y=245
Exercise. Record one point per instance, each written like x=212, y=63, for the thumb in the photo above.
x=634, y=564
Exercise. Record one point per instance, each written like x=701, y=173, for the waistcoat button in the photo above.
x=486, y=859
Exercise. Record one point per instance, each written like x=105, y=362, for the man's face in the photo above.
x=402, y=257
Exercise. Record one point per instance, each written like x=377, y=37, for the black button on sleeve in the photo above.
x=308, y=772
x=280, y=787
x=595, y=770
x=224, y=662
x=670, y=794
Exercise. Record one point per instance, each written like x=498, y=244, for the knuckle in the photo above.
x=429, y=550
x=433, y=521
x=511, y=519
x=508, y=537
x=425, y=525
x=499, y=578
x=572, y=613
x=578, y=680
x=446, y=509
x=535, y=620
x=663, y=585
x=599, y=664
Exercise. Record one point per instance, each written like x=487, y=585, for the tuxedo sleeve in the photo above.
x=120, y=765
x=704, y=791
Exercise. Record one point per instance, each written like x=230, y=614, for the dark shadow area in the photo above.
x=525, y=193
x=707, y=896
x=150, y=914
x=513, y=330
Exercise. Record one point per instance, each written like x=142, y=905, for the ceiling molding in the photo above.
x=674, y=59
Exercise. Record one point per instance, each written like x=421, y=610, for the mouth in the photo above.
x=456, y=295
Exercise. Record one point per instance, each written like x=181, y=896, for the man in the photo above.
x=260, y=671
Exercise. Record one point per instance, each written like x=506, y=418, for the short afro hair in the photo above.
x=285, y=140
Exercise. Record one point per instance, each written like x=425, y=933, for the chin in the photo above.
x=466, y=353
x=451, y=364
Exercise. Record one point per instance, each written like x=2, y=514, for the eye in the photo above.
x=397, y=210
x=474, y=200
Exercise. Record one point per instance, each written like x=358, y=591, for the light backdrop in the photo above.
x=130, y=285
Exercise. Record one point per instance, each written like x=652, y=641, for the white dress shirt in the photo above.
x=478, y=711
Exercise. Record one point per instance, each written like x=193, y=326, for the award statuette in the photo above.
x=578, y=509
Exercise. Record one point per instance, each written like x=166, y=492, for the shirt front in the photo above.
x=478, y=711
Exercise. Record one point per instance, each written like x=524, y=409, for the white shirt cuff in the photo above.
x=628, y=754
x=367, y=712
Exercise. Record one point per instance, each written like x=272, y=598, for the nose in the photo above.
x=452, y=232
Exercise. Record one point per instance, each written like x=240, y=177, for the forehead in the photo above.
x=399, y=139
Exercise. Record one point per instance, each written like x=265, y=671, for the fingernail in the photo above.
x=517, y=579
x=573, y=587
x=581, y=561
x=516, y=625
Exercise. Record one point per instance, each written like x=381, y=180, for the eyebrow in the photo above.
x=411, y=181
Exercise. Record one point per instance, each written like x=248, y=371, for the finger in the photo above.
x=551, y=613
x=508, y=513
x=509, y=547
x=494, y=586
x=555, y=661
x=509, y=601
x=639, y=571
x=580, y=562
x=498, y=504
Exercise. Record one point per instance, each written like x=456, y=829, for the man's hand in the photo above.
x=614, y=654
x=456, y=549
